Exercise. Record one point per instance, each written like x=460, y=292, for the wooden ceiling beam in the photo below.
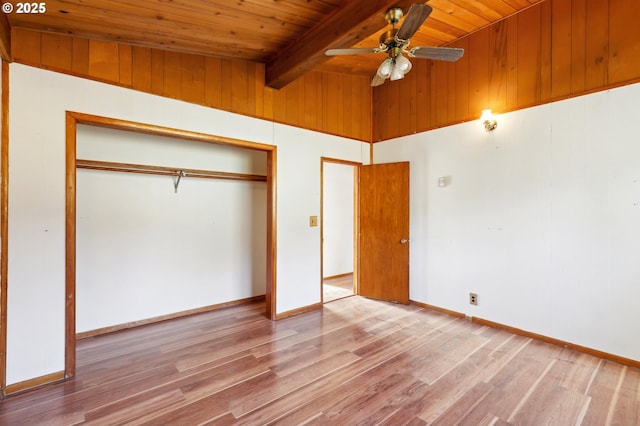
x=348, y=25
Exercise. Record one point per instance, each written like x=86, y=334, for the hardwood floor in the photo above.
x=357, y=361
x=335, y=288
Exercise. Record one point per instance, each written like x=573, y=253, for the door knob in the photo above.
x=404, y=241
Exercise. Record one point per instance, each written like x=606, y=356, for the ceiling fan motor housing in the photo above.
x=389, y=42
x=388, y=39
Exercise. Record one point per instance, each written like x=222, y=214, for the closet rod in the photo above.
x=165, y=171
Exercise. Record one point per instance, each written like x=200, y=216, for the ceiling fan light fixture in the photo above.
x=386, y=68
x=403, y=64
x=396, y=73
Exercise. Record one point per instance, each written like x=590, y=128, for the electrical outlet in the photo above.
x=473, y=298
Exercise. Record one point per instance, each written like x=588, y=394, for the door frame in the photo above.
x=72, y=121
x=356, y=221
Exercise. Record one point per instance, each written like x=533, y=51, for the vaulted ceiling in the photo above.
x=289, y=36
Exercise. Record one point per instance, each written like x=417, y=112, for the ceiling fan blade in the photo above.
x=377, y=80
x=354, y=51
x=450, y=54
x=417, y=14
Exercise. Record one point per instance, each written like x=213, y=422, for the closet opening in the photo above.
x=162, y=223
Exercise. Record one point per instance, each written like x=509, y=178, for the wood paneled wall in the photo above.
x=551, y=51
x=337, y=104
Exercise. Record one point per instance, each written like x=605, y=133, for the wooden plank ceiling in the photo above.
x=289, y=36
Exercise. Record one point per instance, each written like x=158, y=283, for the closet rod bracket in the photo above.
x=180, y=174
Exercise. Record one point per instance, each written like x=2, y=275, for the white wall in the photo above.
x=541, y=218
x=338, y=218
x=38, y=101
x=145, y=250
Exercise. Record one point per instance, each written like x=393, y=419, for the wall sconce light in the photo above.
x=487, y=119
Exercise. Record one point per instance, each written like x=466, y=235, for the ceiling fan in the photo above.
x=395, y=42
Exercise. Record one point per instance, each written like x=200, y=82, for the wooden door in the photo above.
x=384, y=232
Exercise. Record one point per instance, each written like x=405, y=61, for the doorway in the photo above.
x=339, y=224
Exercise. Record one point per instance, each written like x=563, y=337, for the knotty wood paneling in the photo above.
x=172, y=75
x=259, y=31
x=80, y=58
x=478, y=53
x=212, y=83
x=442, y=90
x=27, y=45
x=597, y=23
x=578, y=45
x=424, y=99
x=104, y=59
x=125, y=61
x=560, y=49
x=141, y=65
x=393, y=105
x=192, y=81
x=157, y=72
x=407, y=108
x=461, y=88
x=498, y=62
x=57, y=52
x=511, y=72
x=545, y=51
x=553, y=50
x=624, y=42
x=529, y=60
x=338, y=104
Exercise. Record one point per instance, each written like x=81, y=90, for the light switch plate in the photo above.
x=313, y=220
